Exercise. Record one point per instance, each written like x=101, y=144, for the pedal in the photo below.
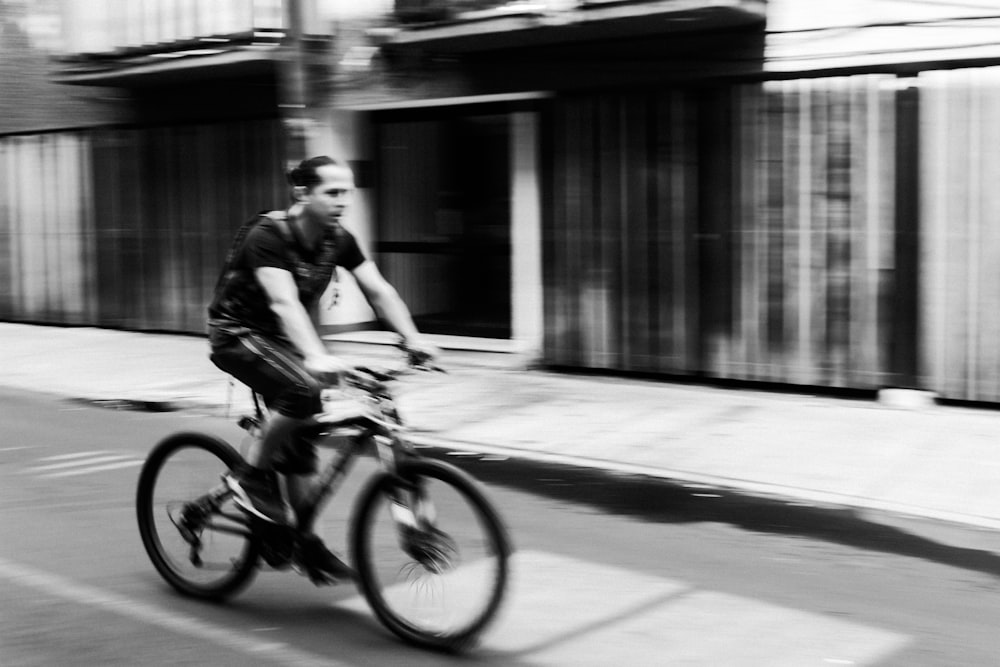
x=195, y=555
x=317, y=577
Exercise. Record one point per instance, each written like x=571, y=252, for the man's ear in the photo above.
x=300, y=192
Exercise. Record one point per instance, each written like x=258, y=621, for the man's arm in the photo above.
x=385, y=301
x=283, y=295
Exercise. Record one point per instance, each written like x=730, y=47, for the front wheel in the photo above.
x=195, y=537
x=440, y=581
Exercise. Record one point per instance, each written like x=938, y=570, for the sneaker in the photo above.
x=190, y=522
x=321, y=564
x=257, y=493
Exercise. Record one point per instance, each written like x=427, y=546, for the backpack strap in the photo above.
x=280, y=219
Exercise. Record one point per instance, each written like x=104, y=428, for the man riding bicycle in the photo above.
x=263, y=331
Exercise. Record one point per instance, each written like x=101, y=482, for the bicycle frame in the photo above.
x=381, y=425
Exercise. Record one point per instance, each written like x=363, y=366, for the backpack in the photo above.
x=281, y=222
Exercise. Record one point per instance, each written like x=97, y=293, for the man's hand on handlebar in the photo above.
x=420, y=355
x=420, y=352
x=326, y=366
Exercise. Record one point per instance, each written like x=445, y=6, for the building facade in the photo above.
x=781, y=191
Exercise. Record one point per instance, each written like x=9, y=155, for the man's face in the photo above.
x=329, y=198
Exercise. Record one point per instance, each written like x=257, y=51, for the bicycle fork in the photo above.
x=415, y=517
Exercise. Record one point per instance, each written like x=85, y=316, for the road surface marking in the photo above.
x=78, y=462
x=82, y=463
x=77, y=455
x=567, y=611
x=92, y=469
x=239, y=642
x=564, y=609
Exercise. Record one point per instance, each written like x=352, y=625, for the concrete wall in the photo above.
x=30, y=100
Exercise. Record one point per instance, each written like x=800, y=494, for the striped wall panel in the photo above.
x=810, y=238
x=742, y=233
x=167, y=206
x=960, y=233
x=127, y=228
x=44, y=233
x=619, y=275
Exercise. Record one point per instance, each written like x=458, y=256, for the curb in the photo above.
x=727, y=485
x=154, y=404
x=132, y=404
x=730, y=486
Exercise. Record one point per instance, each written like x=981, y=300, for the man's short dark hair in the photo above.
x=305, y=175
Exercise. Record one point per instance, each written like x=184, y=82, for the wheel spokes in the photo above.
x=437, y=565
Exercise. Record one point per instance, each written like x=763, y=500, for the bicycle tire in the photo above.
x=196, y=458
x=375, y=545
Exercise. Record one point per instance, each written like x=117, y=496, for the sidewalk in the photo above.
x=934, y=462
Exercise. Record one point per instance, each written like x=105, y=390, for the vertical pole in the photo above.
x=292, y=101
x=904, y=341
x=527, y=316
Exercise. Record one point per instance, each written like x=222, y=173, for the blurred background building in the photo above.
x=768, y=190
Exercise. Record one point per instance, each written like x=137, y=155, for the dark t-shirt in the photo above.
x=240, y=300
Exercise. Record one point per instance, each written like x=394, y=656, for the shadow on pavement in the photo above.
x=663, y=501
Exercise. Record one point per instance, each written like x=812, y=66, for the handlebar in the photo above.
x=373, y=380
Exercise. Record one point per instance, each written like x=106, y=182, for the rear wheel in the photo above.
x=438, y=584
x=196, y=538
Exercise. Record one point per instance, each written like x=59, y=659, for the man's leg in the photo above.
x=279, y=430
x=299, y=489
x=321, y=563
x=256, y=486
x=292, y=394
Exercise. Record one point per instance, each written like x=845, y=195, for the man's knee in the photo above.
x=299, y=401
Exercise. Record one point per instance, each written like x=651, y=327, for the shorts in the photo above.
x=273, y=369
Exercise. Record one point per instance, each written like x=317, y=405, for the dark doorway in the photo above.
x=444, y=221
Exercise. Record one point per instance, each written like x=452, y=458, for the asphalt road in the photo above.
x=609, y=570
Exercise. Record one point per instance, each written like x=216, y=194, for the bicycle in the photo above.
x=429, y=549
